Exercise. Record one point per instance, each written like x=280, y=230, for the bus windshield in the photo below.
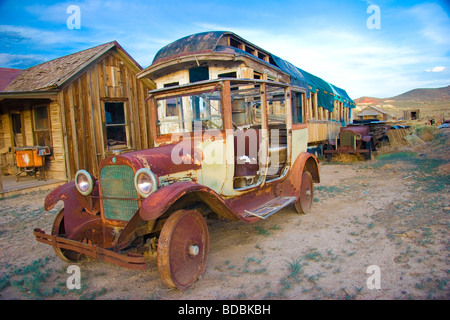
x=188, y=112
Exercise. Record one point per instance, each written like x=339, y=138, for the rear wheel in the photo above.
x=305, y=199
x=368, y=155
x=59, y=230
x=183, y=247
x=327, y=155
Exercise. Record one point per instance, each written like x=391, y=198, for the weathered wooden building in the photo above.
x=84, y=106
x=413, y=114
x=372, y=113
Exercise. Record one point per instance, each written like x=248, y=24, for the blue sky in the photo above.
x=330, y=39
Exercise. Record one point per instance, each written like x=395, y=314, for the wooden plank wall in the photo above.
x=7, y=161
x=6, y=132
x=27, y=123
x=322, y=130
x=83, y=102
x=56, y=166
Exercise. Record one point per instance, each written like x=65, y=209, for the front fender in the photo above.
x=162, y=199
x=73, y=200
x=308, y=162
x=63, y=193
x=80, y=212
x=304, y=162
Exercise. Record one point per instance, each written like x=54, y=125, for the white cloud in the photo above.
x=20, y=60
x=40, y=36
x=342, y=52
x=433, y=21
x=362, y=66
x=436, y=69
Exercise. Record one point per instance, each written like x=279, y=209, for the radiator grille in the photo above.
x=347, y=138
x=118, y=192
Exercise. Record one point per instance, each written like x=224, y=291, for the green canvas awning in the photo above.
x=341, y=95
x=325, y=93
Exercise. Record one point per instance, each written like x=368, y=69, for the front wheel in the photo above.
x=183, y=247
x=58, y=230
x=305, y=199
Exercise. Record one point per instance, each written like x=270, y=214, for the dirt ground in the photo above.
x=391, y=212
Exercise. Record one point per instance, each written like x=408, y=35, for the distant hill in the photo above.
x=416, y=95
x=424, y=95
x=368, y=100
x=433, y=103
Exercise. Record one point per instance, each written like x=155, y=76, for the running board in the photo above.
x=271, y=207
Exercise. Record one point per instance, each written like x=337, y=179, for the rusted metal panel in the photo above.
x=197, y=43
x=363, y=131
x=161, y=200
x=79, y=210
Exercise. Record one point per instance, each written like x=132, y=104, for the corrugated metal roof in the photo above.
x=199, y=42
x=212, y=41
x=7, y=75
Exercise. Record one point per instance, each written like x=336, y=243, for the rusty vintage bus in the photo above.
x=231, y=126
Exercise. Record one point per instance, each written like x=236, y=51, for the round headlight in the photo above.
x=145, y=182
x=83, y=182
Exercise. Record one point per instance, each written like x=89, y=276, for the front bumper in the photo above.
x=128, y=260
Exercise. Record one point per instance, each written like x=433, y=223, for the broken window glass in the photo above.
x=116, y=132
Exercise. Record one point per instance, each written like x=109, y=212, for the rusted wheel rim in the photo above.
x=59, y=230
x=183, y=248
x=303, y=205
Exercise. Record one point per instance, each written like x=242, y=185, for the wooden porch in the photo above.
x=9, y=185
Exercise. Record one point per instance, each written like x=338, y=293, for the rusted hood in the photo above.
x=163, y=160
x=362, y=130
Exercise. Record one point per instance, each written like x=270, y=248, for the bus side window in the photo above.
x=297, y=114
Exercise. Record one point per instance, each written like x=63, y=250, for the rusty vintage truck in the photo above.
x=352, y=139
x=207, y=163
x=230, y=137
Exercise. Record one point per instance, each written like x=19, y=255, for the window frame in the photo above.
x=36, y=130
x=126, y=125
x=186, y=102
x=12, y=114
x=299, y=109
